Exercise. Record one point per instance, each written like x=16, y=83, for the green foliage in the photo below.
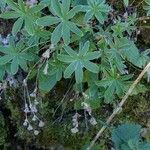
x=97, y=8
x=127, y=137
x=106, y=52
x=147, y=7
x=61, y=16
x=77, y=61
x=24, y=15
x=114, y=84
x=88, y=45
x=14, y=57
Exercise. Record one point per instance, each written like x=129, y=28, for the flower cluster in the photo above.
x=75, y=123
x=31, y=108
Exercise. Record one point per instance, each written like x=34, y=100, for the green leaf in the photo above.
x=23, y=64
x=66, y=6
x=21, y=5
x=84, y=49
x=74, y=11
x=92, y=55
x=77, y=61
x=47, y=83
x=17, y=26
x=66, y=33
x=56, y=35
x=36, y=8
x=14, y=66
x=91, y=66
x=97, y=8
x=88, y=16
x=70, y=51
x=55, y=5
x=126, y=3
x=9, y=15
x=12, y=4
x=75, y=29
x=79, y=72
x=70, y=69
x=125, y=133
x=65, y=58
x=29, y=26
x=5, y=59
x=47, y=21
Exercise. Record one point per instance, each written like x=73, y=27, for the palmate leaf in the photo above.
x=25, y=15
x=147, y=8
x=114, y=85
x=127, y=137
x=14, y=57
x=54, y=74
x=78, y=61
x=97, y=8
x=129, y=51
x=61, y=17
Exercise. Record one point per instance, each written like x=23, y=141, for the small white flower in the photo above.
x=36, y=102
x=85, y=95
x=46, y=54
x=25, y=82
x=33, y=94
x=45, y=71
x=93, y=121
x=30, y=127
x=51, y=46
x=36, y=132
x=34, y=118
x=74, y=130
x=25, y=123
x=33, y=108
x=87, y=108
x=41, y=124
x=26, y=110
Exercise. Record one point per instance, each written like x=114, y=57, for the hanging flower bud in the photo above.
x=41, y=124
x=46, y=54
x=45, y=71
x=36, y=132
x=33, y=108
x=26, y=110
x=34, y=118
x=74, y=130
x=36, y=102
x=25, y=123
x=30, y=127
x=87, y=108
x=93, y=121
